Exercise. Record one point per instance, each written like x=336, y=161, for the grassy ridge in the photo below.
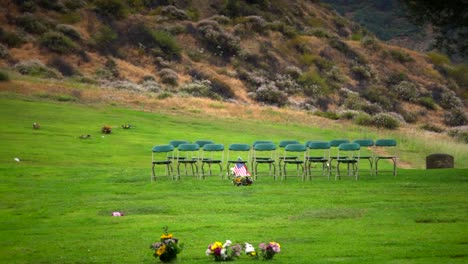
x=56, y=202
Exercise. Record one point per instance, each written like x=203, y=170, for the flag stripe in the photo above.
x=241, y=170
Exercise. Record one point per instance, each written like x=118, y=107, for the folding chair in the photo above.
x=366, y=144
x=282, y=145
x=237, y=153
x=391, y=146
x=201, y=144
x=348, y=153
x=334, y=149
x=260, y=142
x=264, y=153
x=299, y=159
x=318, y=153
x=176, y=143
x=188, y=154
x=160, y=156
x=212, y=154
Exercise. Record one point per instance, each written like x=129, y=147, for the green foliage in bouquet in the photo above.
x=167, y=248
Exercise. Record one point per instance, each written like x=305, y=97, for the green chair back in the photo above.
x=188, y=147
x=385, y=143
x=176, y=143
x=364, y=142
x=319, y=145
x=284, y=143
x=264, y=147
x=336, y=142
x=163, y=148
x=349, y=146
x=202, y=143
x=261, y=142
x=295, y=147
x=213, y=147
x=239, y=147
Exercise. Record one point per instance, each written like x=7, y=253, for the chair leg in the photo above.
x=221, y=171
x=153, y=176
x=337, y=175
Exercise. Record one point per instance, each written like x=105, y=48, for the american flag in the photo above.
x=240, y=169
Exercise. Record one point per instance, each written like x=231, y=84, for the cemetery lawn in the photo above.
x=57, y=201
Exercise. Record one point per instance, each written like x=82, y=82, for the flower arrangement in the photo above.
x=242, y=180
x=268, y=251
x=106, y=129
x=250, y=250
x=224, y=252
x=167, y=248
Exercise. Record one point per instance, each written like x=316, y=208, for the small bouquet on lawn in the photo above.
x=224, y=252
x=268, y=251
x=167, y=248
x=241, y=174
x=250, y=250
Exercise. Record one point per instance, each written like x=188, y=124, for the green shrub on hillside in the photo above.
x=4, y=52
x=438, y=59
x=460, y=134
x=319, y=33
x=449, y=100
x=371, y=109
x=32, y=23
x=218, y=41
x=348, y=114
x=167, y=43
x=410, y=117
x=69, y=31
x=313, y=84
x=401, y=56
x=329, y=115
x=173, y=12
x=65, y=68
x=379, y=95
x=383, y=120
x=370, y=43
x=288, y=31
x=362, y=72
x=4, y=77
x=103, y=40
x=168, y=76
x=11, y=39
x=57, y=42
x=200, y=89
x=54, y=5
x=395, y=78
x=36, y=68
x=406, y=90
x=363, y=119
x=270, y=94
x=432, y=128
x=428, y=102
x=455, y=117
x=286, y=83
x=112, y=8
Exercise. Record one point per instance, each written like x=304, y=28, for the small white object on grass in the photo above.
x=17, y=159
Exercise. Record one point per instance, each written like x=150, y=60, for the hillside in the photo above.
x=385, y=19
x=291, y=54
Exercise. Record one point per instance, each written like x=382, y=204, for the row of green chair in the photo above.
x=303, y=156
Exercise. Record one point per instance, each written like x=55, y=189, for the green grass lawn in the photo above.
x=56, y=203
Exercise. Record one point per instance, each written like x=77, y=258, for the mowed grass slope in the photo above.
x=57, y=201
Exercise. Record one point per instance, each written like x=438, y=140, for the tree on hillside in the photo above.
x=448, y=19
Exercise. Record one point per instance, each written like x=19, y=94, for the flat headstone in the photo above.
x=439, y=161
